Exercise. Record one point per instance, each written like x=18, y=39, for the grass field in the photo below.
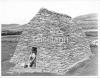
x=88, y=68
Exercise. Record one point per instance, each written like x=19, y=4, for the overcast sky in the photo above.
x=22, y=11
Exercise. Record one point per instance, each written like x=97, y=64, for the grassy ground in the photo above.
x=87, y=68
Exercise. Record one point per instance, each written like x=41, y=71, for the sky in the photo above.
x=22, y=11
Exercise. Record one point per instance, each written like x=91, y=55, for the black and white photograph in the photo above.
x=49, y=38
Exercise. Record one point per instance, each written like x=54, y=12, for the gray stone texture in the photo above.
x=53, y=57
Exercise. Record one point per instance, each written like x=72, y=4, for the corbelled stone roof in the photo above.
x=53, y=57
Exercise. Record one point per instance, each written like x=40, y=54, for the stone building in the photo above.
x=51, y=42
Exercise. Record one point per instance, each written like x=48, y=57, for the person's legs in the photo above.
x=33, y=63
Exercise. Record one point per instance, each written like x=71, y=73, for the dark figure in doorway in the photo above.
x=32, y=58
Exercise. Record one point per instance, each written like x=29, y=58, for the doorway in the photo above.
x=33, y=57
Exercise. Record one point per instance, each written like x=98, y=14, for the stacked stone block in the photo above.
x=53, y=57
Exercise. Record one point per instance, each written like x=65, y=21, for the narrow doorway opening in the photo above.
x=33, y=57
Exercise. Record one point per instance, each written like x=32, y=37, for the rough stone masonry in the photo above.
x=60, y=44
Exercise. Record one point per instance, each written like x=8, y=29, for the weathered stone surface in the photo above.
x=60, y=43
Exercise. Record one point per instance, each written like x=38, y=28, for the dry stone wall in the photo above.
x=60, y=43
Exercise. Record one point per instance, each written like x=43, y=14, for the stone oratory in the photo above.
x=50, y=43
